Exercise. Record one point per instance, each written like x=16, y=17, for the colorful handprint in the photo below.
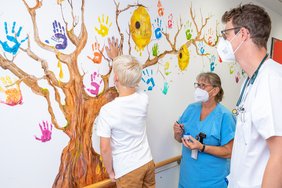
x=231, y=69
x=166, y=68
x=237, y=77
x=97, y=58
x=211, y=38
x=96, y=84
x=148, y=79
x=170, y=21
x=104, y=26
x=12, y=45
x=212, y=63
x=165, y=89
x=160, y=8
x=59, y=2
x=188, y=34
x=10, y=93
x=59, y=36
x=155, y=50
x=46, y=132
x=201, y=48
x=158, y=28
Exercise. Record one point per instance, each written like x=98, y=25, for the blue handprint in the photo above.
x=59, y=36
x=165, y=89
x=12, y=48
x=158, y=28
x=212, y=63
x=148, y=79
x=202, y=49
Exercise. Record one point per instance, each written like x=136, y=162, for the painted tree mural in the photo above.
x=80, y=164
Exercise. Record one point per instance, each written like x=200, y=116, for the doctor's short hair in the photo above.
x=252, y=17
x=214, y=80
x=128, y=70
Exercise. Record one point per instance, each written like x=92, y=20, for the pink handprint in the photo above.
x=46, y=132
x=96, y=82
x=170, y=21
x=97, y=53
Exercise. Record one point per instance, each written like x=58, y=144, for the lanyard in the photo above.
x=250, y=81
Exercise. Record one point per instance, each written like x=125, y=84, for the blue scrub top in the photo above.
x=207, y=170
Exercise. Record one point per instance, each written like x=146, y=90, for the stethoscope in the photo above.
x=240, y=109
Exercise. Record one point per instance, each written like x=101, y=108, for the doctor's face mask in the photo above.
x=225, y=50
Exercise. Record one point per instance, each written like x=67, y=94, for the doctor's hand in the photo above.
x=192, y=143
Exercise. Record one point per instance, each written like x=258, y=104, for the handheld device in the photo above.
x=201, y=137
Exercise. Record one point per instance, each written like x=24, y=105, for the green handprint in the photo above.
x=155, y=50
x=188, y=34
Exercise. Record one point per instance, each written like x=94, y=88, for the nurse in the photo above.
x=206, y=130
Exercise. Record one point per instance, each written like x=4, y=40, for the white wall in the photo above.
x=26, y=162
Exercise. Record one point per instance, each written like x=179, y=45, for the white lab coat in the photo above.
x=261, y=119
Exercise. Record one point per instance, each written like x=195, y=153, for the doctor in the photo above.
x=256, y=159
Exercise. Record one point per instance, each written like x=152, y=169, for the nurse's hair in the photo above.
x=128, y=70
x=215, y=81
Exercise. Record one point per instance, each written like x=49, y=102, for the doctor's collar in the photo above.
x=251, y=80
x=254, y=76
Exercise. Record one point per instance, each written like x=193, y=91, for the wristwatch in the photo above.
x=203, y=149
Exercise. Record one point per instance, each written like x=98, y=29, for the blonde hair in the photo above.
x=128, y=70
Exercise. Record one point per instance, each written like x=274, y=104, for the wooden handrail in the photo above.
x=108, y=182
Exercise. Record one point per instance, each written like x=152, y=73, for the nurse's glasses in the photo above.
x=201, y=85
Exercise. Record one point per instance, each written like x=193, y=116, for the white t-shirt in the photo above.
x=261, y=120
x=124, y=121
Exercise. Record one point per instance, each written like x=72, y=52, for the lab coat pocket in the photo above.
x=246, y=126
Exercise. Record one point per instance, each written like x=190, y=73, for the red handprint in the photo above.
x=97, y=53
x=170, y=21
x=46, y=132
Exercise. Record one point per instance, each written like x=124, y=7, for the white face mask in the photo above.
x=225, y=50
x=201, y=95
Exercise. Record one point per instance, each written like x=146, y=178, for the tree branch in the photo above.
x=31, y=82
x=150, y=62
x=118, y=12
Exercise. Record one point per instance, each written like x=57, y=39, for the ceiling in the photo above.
x=275, y=5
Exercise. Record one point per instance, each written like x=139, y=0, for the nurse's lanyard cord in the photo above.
x=249, y=81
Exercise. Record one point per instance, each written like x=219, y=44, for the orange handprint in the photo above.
x=97, y=53
x=160, y=8
x=10, y=93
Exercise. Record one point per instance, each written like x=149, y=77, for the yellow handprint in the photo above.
x=59, y=2
x=10, y=93
x=104, y=26
x=166, y=67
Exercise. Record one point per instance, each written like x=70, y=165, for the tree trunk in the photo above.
x=80, y=164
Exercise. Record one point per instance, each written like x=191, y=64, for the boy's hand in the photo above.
x=113, y=49
x=112, y=176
